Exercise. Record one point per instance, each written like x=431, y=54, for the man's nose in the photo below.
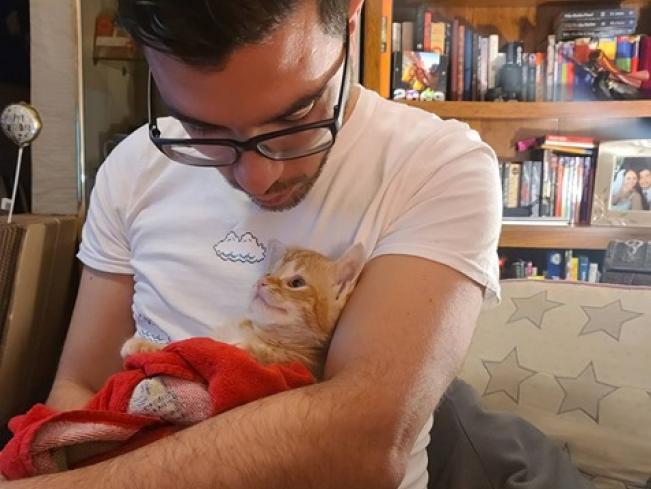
x=255, y=173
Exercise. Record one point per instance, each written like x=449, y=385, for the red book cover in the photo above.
x=645, y=59
x=454, y=63
x=577, y=141
x=427, y=31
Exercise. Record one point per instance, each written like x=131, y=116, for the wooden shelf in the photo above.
x=536, y=110
x=568, y=237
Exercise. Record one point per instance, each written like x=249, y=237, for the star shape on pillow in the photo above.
x=584, y=393
x=609, y=318
x=506, y=376
x=533, y=308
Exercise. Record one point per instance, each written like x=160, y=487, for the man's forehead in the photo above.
x=256, y=81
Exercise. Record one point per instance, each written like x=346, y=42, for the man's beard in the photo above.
x=303, y=186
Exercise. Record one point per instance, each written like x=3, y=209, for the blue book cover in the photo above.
x=555, y=265
x=584, y=268
x=467, y=64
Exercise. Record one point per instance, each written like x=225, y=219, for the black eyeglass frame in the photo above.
x=333, y=124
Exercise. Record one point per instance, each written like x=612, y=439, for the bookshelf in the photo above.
x=502, y=123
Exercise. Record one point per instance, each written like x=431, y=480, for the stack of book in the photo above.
x=438, y=59
x=554, y=185
x=596, y=23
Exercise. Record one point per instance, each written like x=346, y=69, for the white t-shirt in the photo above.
x=399, y=180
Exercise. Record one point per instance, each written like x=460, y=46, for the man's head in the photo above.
x=240, y=68
x=645, y=178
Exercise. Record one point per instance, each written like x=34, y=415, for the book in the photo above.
x=461, y=55
x=584, y=268
x=424, y=77
x=467, y=64
x=483, y=68
x=407, y=36
x=549, y=68
x=454, y=64
x=584, y=25
x=513, y=191
x=493, y=52
x=535, y=221
x=613, y=13
x=439, y=34
x=572, y=141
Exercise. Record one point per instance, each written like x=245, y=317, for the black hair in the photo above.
x=206, y=32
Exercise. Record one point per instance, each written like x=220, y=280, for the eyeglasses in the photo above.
x=285, y=144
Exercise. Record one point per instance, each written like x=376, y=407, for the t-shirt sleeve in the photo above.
x=104, y=244
x=450, y=207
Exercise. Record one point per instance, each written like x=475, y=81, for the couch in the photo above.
x=573, y=359
x=37, y=285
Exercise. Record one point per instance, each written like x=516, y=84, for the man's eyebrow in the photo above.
x=301, y=103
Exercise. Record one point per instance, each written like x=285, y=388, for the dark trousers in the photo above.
x=475, y=449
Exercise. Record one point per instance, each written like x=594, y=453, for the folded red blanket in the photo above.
x=155, y=394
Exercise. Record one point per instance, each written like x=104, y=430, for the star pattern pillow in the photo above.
x=574, y=359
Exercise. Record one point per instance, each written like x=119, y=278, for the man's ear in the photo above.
x=275, y=251
x=347, y=269
x=354, y=16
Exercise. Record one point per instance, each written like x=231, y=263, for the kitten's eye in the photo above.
x=296, y=282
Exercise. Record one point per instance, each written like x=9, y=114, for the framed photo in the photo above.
x=622, y=191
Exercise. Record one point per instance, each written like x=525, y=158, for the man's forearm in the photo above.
x=66, y=395
x=295, y=439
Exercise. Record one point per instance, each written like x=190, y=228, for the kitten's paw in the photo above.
x=139, y=345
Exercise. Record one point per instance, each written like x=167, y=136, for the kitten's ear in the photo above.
x=275, y=251
x=348, y=267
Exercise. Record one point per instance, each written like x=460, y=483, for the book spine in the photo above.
x=483, y=67
x=525, y=184
x=549, y=68
x=407, y=36
x=536, y=188
x=598, y=14
x=396, y=57
x=460, y=61
x=467, y=64
x=584, y=25
x=475, y=67
x=539, y=91
x=524, y=77
x=493, y=51
x=454, y=65
x=419, y=39
x=584, y=268
x=531, y=78
x=437, y=37
x=427, y=31
x=515, y=172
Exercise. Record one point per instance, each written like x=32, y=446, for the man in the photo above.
x=645, y=185
x=171, y=250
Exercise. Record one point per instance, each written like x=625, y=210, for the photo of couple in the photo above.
x=631, y=189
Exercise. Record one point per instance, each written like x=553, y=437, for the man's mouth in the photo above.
x=275, y=199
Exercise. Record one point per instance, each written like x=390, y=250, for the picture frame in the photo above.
x=622, y=190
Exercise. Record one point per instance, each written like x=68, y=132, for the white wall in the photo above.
x=114, y=100
x=114, y=92
x=54, y=94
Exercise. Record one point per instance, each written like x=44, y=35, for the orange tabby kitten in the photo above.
x=294, y=309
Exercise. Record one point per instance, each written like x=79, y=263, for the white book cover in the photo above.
x=483, y=67
x=493, y=51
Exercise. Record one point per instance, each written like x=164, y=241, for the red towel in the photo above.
x=155, y=394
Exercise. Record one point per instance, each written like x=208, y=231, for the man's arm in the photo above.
x=101, y=322
x=399, y=343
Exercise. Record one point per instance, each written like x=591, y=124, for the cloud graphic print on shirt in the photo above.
x=244, y=249
x=148, y=329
